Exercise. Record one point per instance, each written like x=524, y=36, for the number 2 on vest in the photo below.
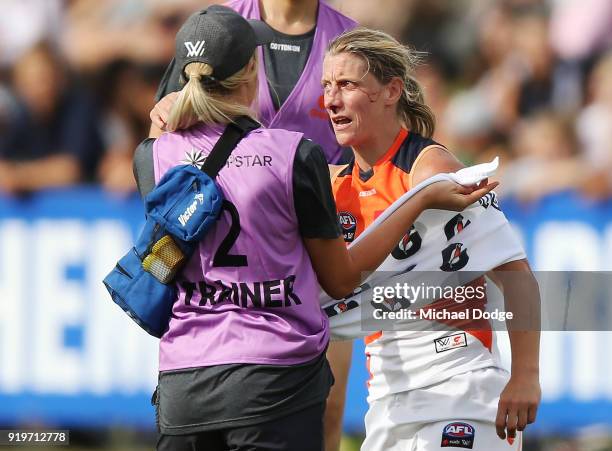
x=222, y=256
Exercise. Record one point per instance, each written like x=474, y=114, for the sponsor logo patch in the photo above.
x=340, y=307
x=367, y=193
x=190, y=210
x=454, y=257
x=408, y=246
x=194, y=157
x=458, y=435
x=348, y=224
x=285, y=47
x=455, y=226
x=458, y=340
x=196, y=49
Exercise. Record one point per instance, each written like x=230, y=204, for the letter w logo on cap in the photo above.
x=195, y=50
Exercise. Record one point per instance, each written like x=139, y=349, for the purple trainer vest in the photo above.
x=303, y=111
x=268, y=311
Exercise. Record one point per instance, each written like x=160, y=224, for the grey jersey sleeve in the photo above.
x=143, y=167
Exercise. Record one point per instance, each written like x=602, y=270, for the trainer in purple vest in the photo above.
x=303, y=110
x=266, y=312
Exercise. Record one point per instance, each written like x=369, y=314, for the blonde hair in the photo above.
x=386, y=59
x=210, y=101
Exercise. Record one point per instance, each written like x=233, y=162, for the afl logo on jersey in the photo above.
x=408, y=246
x=458, y=435
x=348, y=224
x=454, y=257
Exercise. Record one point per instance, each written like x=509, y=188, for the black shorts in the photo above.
x=299, y=431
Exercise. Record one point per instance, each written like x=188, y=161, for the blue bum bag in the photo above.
x=179, y=210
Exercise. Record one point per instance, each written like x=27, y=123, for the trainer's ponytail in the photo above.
x=204, y=99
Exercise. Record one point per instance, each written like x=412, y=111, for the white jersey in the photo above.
x=406, y=360
x=422, y=352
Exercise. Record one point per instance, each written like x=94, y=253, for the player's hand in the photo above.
x=452, y=196
x=161, y=111
x=518, y=404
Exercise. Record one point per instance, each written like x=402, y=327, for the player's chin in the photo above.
x=345, y=138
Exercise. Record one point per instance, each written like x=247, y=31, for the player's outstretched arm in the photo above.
x=519, y=401
x=340, y=271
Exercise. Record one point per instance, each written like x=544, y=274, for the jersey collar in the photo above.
x=366, y=175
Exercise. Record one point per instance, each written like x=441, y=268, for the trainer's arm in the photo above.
x=518, y=402
x=144, y=172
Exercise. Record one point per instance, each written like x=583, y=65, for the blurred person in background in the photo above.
x=25, y=23
x=518, y=63
x=545, y=158
x=536, y=62
x=125, y=120
x=594, y=130
x=435, y=91
x=580, y=30
x=52, y=138
x=485, y=108
x=395, y=17
x=121, y=47
x=99, y=33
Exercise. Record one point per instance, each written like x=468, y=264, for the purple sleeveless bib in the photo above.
x=266, y=312
x=303, y=111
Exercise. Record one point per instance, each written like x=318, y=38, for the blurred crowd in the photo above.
x=527, y=80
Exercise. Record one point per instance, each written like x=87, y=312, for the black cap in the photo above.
x=220, y=37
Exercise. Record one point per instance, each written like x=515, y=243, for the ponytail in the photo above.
x=204, y=99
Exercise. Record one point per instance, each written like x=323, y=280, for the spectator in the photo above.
x=52, y=139
x=546, y=159
x=535, y=58
x=99, y=33
x=126, y=120
x=593, y=129
x=24, y=23
x=580, y=28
